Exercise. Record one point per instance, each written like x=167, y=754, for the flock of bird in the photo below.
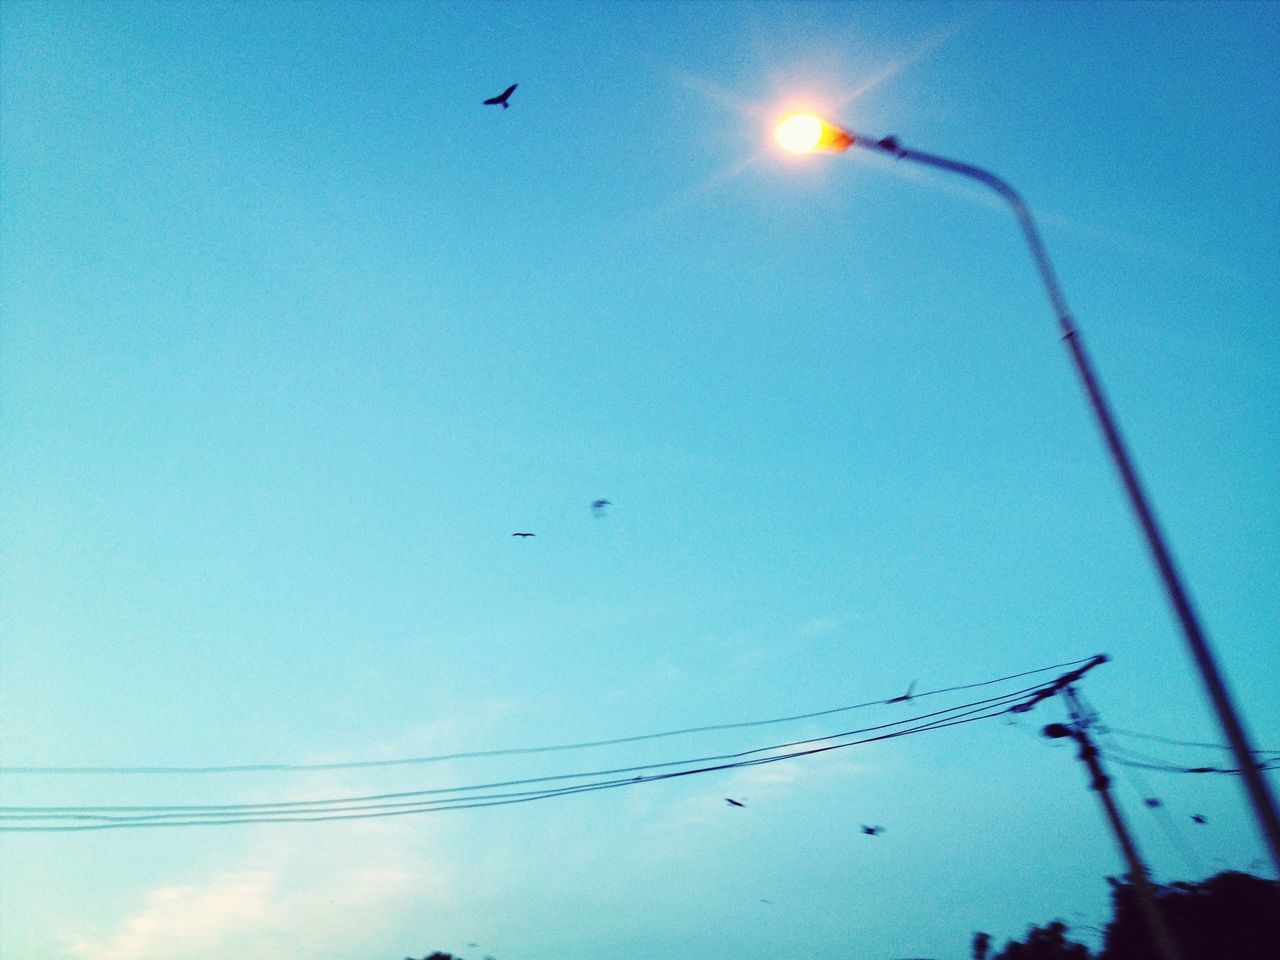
x=907, y=696
x=597, y=509
x=597, y=506
x=870, y=831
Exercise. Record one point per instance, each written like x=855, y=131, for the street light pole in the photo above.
x=829, y=137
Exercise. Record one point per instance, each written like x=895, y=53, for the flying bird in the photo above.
x=1152, y=802
x=903, y=697
x=597, y=506
x=734, y=803
x=524, y=534
x=502, y=98
x=1199, y=818
x=872, y=831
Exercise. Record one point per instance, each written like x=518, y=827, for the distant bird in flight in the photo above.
x=734, y=803
x=1199, y=818
x=1152, y=802
x=872, y=831
x=524, y=534
x=597, y=506
x=501, y=98
x=903, y=697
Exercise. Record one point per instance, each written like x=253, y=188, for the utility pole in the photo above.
x=1101, y=783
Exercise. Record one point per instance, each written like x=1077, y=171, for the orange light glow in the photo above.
x=805, y=133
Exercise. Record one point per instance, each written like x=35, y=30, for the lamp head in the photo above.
x=806, y=133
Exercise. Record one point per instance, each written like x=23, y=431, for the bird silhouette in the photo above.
x=872, y=831
x=734, y=803
x=524, y=534
x=597, y=506
x=1199, y=818
x=903, y=697
x=502, y=98
x=1152, y=802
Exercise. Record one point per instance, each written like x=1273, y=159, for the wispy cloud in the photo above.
x=820, y=626
x=188, y=920
x=294, y=895
x=278, y=891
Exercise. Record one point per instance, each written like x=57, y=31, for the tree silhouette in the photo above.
x=1228, y=915
x=1045, y=943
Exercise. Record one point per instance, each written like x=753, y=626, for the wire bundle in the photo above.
x=494, y=793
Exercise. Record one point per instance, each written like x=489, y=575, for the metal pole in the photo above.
x=1101, y=783
x=1259, y=791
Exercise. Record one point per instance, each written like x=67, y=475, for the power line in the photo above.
x=469, y=803
x=430, y=801
x=1158, y=812
x=932, y=718
x=1139, y=757
x=1143, y=761
x=1134, y=758
x=1273, y=764
x=503, y=752
x=1177, y=743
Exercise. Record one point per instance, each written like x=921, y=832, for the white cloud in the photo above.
x=317, y=890
x=182, y=920
x=295, y=895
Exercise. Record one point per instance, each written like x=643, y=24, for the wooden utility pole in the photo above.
x=1101, y=784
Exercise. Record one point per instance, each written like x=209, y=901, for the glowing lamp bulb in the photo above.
x=799, y=133
x=805, y=133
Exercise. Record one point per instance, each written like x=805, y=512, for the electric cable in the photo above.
x=483, y=801
x=252, y=807
x=1177, y=743
x=356, y=808
x=1170, y=768
x=1140, y=760
x=501, y=752
x=1159, y=812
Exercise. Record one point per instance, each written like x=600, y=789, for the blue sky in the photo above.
x=296, y=334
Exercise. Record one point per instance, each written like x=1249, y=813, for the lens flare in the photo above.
x=799, y=133
x=805, y=133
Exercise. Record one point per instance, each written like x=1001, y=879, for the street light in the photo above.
x=805, y=133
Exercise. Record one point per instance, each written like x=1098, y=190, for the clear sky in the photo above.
x=296, y=333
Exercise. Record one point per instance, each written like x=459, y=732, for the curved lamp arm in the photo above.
x=1246, y=759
